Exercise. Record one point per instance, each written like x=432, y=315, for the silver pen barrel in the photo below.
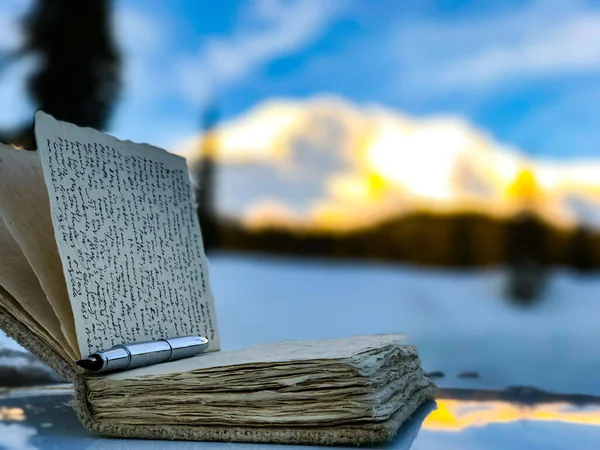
x=148, y=353
x=186, y=346
x=140, y=354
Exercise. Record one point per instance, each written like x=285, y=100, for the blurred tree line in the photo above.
x=463, y=240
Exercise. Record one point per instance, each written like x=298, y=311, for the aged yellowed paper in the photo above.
x=19, y=279
x=128, y=236
x=26, y=212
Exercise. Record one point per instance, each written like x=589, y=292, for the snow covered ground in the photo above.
x=460, y=321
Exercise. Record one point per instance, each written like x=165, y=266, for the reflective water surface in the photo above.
x=43, y=419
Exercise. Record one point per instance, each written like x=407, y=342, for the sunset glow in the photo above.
x=458, y=415
x=12, y=414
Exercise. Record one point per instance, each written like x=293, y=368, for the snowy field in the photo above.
x=460, y=321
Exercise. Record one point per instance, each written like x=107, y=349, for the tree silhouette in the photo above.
x=526, y=256
x=462, y=252
x=77, y=78
x=526, y=243
x=582, y=258
x=205, y=184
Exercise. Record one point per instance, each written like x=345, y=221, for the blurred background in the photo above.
x=427, y=167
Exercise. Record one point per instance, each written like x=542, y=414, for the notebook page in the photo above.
x=128, y=237
x=19, y=279
x=26, y=212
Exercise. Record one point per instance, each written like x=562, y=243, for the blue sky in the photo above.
x=526, y=72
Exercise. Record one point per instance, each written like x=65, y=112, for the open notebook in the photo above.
x=100, y=245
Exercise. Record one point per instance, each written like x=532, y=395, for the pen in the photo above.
x=140, y=354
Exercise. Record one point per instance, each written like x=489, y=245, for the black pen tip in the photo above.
x=90, y=363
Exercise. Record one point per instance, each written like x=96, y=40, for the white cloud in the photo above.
x=147, y=38
x=568, y=47
x=259, y=134
x=269, y=30
x=144, y=42
x=365, y=163
x=157, y=68
x=542, y=39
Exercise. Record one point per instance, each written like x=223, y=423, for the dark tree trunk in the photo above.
x=526, y=259
x=205, y=188
x=582, y=258
x=462, y=244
